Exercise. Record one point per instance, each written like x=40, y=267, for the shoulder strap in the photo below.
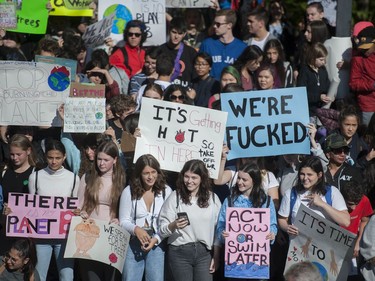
x=126, y=58
x=74, y=185
x=229, y=199
x=293, y=198
x=36, y=182
x=328, y=194
x=177, y=200
x=268, y=201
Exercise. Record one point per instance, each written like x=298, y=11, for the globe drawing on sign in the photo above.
x=122, y=16
x=322, y=270
x=59, y=79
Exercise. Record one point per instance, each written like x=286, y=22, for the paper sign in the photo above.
x=176, y=133
x=322, y=242
x=188, y=3
x=59, y=8
x=96, y=33
x=264, y=123
x=30, y=93
x=77, y=4
x=97, y=240
x=39, y=216
x=72, y=64
x=8, y=17
x=247, y=249
x=84, y=115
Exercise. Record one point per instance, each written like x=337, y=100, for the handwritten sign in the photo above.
x=151, y=12
x=247, y=249
x=175, y=133
x=32, y=17
x=322, y=242
x=72, y=64
x=8, y=17
x=39, y=216
x=77, y=4
x=62, y=8
x=188, y=3
x=96, y=33
x=97, y=240
x=30, y=93
x=269, y=122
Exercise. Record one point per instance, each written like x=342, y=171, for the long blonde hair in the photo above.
x=93, y=181
x=22, y=142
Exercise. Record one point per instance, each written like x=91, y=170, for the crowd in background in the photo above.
x=177, y=220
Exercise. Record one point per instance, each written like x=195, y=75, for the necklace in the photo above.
x=317, y=78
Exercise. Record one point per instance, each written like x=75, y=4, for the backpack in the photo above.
x=293, y=197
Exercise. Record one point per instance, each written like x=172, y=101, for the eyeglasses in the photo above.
x=340, y=150
x=218, y=24
x=173, y=97
x=131, y=34
x=201, y=64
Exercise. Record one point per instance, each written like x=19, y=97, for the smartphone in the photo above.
x=183, y=215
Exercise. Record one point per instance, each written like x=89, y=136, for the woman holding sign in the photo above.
x=312, y=191
x=98, y=195
x=140, y=205
x=54, y=180
x=188, y=218
x=247, y=193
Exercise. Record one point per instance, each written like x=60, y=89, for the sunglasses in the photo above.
x=340, y=150
x=218, y=24
x=131, y=34
x=173, y=97
x=96, y=74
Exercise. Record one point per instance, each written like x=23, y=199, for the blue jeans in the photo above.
x=64, y=266
x=190, y=262
x=138, y=262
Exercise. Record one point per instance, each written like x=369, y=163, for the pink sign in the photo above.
x=39, y=216
x=247, y=249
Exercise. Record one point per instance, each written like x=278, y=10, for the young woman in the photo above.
x=204, y=85
x=15, y=176
x=98, y=195
x=153, y=91
x=247, y=193
x=19, y=262
x=266, y=77
x=188, y=218
x=275, y=55
x=314, y=76
x=54, y=180
x=310, y=191
x=140, y=205
x=247, y=63
x=177, y=93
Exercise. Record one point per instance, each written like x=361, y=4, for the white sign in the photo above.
x=188, y=3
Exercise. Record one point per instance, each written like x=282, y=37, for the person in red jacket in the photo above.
x=131, y=56
x=362, y=75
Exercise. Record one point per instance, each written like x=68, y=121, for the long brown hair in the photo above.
x=136, y=185
x=197, y=167
x=93, y=180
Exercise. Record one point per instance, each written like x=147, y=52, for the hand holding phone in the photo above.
x=184, y=216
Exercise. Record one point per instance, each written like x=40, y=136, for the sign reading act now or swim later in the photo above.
x=269, y=122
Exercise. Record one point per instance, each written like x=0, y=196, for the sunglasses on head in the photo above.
x=131, y=34
x=173, y=97
x=340, y=150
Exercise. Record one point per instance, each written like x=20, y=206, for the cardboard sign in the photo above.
x=247, y=249
x=96, y=33
x=264, y=123
x=322, y=242
x=30, y=93
x=175, y=133
x=39, y=216
x=87, y=90
x=72, y=64
x=8, y=17
x=97, y=240
x=188, y=3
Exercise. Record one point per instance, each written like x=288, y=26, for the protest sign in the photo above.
x=322, y=242
x=8, y=17
x=30, y=93
x=188, y=3
x=175, y=133
x=39, y=216
x=268, y=122
x=96, y=33
x=31, y=16
x=62, y=8
x=151, y=12
x=72, y=64
x=247, y=249
x=97, y=240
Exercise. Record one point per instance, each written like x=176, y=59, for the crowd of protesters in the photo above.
x=229, y=47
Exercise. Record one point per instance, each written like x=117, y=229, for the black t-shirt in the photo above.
x=15, y=182
x=205, y=89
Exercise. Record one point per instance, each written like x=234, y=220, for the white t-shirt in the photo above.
x=338, y=203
